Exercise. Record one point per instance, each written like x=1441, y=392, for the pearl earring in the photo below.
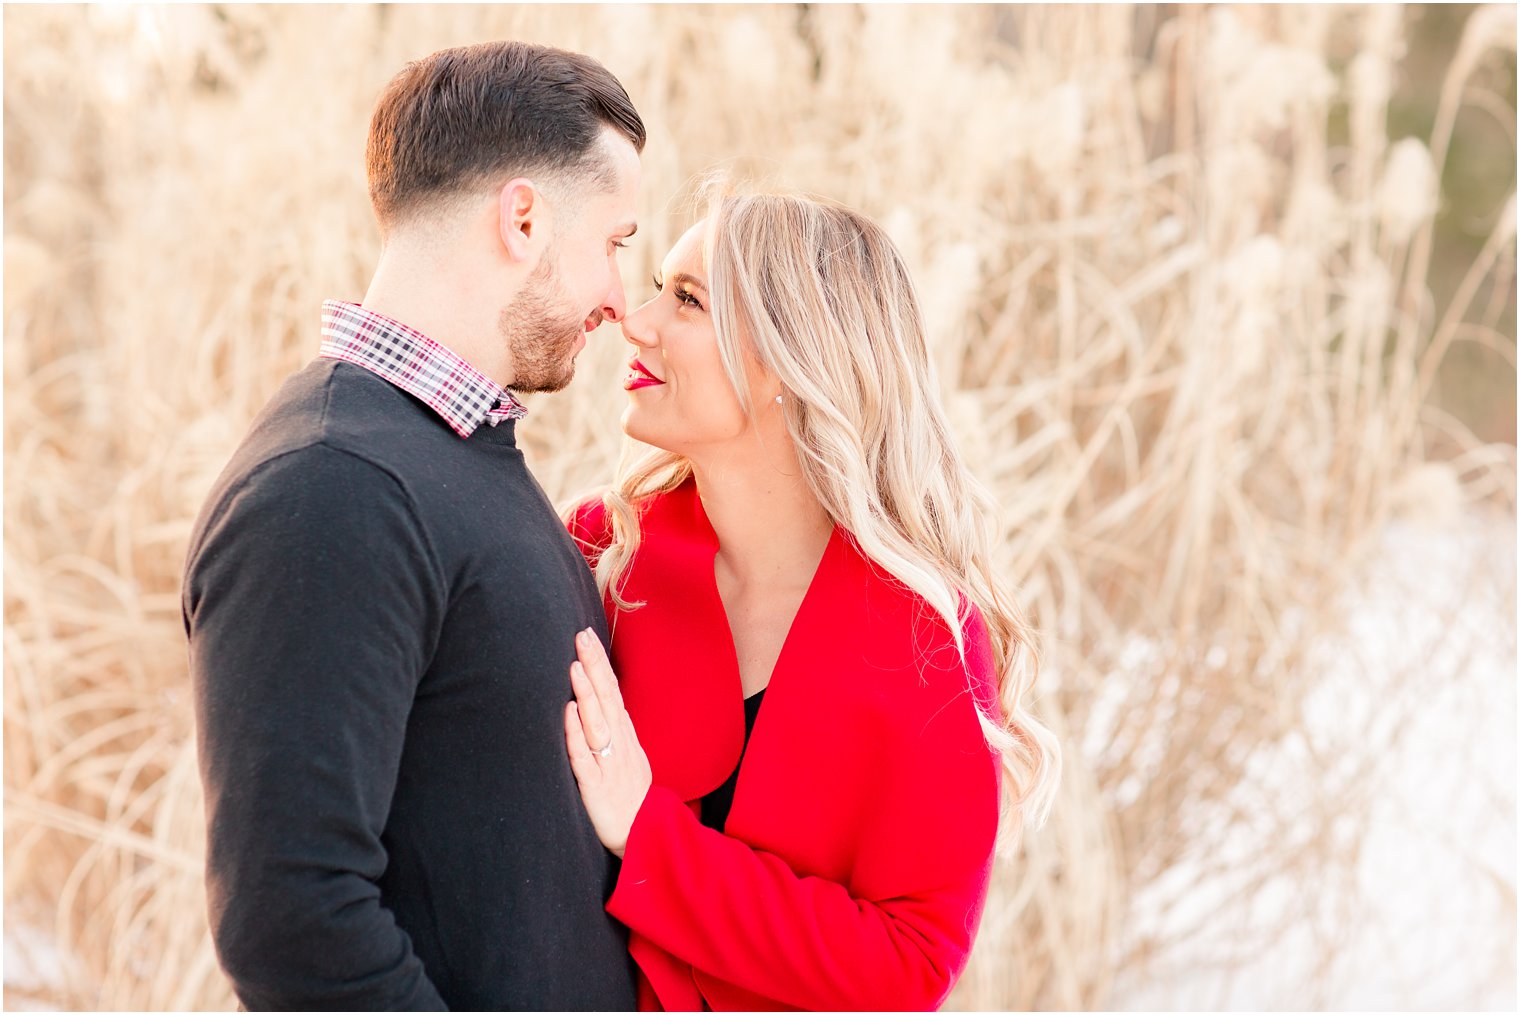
x=778, y=399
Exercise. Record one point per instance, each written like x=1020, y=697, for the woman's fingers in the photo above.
x=581, y=761
x=613, y=787
x=594, y=723
x=588, y=649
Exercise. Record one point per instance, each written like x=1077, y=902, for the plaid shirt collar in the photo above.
x=416, y=364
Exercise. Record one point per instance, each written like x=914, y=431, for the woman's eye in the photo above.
x=684, y=295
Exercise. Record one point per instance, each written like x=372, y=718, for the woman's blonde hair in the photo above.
x=819, y=295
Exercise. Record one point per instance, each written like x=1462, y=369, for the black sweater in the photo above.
x=381, y=620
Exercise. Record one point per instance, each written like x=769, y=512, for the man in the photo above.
x=380, y=601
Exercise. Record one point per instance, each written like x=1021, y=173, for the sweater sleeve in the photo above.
x=312, y=603
x=896, y=938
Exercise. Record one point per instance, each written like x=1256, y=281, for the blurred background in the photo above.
x=1222, y=300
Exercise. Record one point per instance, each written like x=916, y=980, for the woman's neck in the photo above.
x=771, y=528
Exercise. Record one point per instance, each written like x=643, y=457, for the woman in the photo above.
x=798, y=575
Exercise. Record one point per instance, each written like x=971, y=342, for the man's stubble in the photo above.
x=541, y=331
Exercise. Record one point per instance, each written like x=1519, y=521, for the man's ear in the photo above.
x=522, y=215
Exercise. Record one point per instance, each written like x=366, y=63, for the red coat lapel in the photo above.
x=674, y=656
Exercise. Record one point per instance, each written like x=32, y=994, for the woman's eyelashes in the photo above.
x=682, y=294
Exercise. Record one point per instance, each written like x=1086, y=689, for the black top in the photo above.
x=716, y=805
x=381, y=619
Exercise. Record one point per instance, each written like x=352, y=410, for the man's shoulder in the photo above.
x=344, y=409
x=293, y=492
x=363, y=413
x=311, y=442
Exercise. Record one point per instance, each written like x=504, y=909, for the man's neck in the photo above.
x=445, y=301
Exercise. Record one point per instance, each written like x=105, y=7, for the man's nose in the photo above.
x=615, y=304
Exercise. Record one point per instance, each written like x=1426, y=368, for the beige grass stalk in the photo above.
x=1184, y=330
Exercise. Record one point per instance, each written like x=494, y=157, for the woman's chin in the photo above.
x=636, y=427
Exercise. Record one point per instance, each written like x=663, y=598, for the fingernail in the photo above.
x=577, y=670
x=580, y=638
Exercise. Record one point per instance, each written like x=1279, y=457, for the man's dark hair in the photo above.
x=463, y=119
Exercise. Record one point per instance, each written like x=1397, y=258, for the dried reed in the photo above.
x=1183, y=328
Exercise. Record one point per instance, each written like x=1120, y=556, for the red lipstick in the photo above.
x=639, y=377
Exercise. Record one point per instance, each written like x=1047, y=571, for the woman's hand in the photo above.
x=610, y=766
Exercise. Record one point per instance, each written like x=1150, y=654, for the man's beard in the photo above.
x=541, y=336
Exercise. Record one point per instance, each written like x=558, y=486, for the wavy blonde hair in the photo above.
x=820, y=296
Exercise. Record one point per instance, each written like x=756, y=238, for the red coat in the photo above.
x=859, y=847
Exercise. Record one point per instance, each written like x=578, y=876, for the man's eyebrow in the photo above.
x=690, y=280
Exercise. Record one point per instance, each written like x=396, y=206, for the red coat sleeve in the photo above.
x=896, y=938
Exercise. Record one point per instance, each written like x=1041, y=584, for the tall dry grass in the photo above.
x=1175, y=273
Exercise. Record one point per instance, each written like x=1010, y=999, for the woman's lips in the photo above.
x=640, y=377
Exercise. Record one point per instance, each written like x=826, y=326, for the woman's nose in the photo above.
x=637, y=327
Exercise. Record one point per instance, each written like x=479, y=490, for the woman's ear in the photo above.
x=521, y=213
x=766, y=390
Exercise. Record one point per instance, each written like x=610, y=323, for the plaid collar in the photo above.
x=416, y=364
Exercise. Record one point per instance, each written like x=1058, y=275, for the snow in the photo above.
x=1412, y=735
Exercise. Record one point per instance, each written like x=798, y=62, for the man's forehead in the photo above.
x=609, y=212
x=623, y=157
x=617, y=203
